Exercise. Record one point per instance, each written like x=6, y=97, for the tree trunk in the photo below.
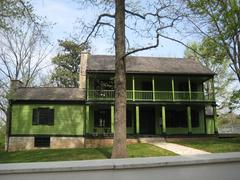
x=119, y=142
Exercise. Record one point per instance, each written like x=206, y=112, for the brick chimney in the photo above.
x=83, y=69
x=15, y=84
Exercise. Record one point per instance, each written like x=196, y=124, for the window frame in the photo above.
x=106, y=121
x=42, y=141
x=38, y=114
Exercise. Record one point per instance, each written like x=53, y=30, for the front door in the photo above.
x=147, y=120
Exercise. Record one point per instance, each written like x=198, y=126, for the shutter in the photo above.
x=51, y=117
x=34, y=117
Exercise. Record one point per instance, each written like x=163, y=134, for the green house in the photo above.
x=165, y=97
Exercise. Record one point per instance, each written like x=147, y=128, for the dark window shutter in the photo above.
x=35, y=116
x=51, y=117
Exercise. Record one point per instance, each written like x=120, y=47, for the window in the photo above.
x=102, y=84
x=129, y=118
x=102, y=118
x=183, y=86
x=42, y=141
x=194, y=86
x=43, y=116
x=176, y=118
x=147, y=86
x=195, y=118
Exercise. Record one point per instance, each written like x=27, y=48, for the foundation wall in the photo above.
x=27, y=143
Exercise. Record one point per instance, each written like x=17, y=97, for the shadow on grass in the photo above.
x=107, y=152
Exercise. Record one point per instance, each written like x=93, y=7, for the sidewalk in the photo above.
x=178, y=149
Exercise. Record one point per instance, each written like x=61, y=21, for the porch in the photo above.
x=150, y=120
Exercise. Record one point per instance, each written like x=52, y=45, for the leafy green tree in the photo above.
x=206, y=53
x=66, y=72
x=218, y=20
x=15, y=9
x=234, y=103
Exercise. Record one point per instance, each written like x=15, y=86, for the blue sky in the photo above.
x=64, y=14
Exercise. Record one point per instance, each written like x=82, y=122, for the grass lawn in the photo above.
x=214, y=145
x=134, y=150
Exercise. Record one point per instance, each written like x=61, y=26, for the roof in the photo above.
x=148, y=65
x=49, y=94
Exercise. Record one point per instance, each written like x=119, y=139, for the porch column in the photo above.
x=87, y=90
x=87, y=120
x=189, y=120
x=112, y=119
x=213, y=89
x=153, y=87
x=163, y=120
x=133, y=88
x=214, y=119
x=189, y=89
x=137, y=120
x=173, y=94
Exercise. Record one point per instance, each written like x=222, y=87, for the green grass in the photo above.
x=214, y=145
x=134, y=150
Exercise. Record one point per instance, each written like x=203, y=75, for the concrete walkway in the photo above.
x=178, y=149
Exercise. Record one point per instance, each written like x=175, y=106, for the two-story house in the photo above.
x=165, y=96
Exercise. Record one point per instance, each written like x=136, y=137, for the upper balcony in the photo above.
x=109, y=95
x=152, y=89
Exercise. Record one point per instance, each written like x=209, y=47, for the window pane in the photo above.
x=41, y=141
x=35, y=117
x=102, y=118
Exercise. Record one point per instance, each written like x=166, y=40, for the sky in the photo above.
x=64, y=14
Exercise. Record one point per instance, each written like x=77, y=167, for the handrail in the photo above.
x=141, y=95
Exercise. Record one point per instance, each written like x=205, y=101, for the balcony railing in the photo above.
x=137, y=95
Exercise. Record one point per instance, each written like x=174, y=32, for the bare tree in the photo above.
x=23, y=50
x=145, y=20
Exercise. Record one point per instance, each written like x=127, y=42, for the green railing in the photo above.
x=143, y=95
x=163, y=95
x=150, y=95
x=100, y=94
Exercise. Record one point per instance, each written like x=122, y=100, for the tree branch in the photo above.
x=95, y=26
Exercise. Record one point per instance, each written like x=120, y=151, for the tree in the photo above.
x=218, y=21
x=205, y=52
x=234, y=103
x=15, y=9
x=23, y=50
x=66, y=72
x=147, y=20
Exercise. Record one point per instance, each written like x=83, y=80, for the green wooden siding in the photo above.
x=68, y=120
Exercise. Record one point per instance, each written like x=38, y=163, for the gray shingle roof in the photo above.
x=51, y=93
x=148, y=65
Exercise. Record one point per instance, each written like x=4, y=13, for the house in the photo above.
x=165, y=96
